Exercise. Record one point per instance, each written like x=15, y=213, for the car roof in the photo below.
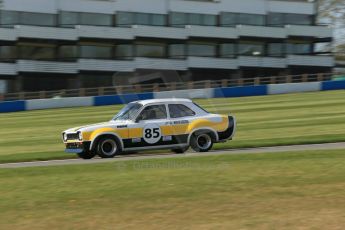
x=165, y=100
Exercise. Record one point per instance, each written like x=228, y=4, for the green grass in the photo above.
x=296, y=190
x=262, y=121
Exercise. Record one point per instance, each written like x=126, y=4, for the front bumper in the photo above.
x=77, y=147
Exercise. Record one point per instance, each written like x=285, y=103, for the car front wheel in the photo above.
x=202, y=142
x=107, y=147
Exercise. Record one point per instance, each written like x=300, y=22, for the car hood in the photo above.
x=92, y=127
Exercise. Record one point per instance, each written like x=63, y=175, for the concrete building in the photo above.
x=57, y=44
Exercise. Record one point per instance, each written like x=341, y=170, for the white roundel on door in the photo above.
x=152, y=133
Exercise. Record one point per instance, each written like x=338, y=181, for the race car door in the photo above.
x=149, y=127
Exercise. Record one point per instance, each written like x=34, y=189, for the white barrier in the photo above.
x=294, y=87
x=192, y=93
x=59, y=103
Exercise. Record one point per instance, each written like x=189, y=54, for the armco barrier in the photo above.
x=259, y=90
x=242, y=91
x=12, y=106
x=59, y=103
x=333, y=85
x=294, y=87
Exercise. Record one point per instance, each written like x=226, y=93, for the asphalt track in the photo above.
x=327, y=146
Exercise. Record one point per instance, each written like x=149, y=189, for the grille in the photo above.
x=72, y=136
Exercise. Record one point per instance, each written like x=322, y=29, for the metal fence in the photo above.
x=125, y=89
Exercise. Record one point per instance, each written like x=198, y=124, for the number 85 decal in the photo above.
x=152, y=133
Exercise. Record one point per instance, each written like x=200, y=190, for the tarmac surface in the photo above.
x=128, y=157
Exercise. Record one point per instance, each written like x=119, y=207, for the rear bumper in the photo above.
x=229, y=132
x=77, y=147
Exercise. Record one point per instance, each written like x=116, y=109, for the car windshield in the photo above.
x=128, y=112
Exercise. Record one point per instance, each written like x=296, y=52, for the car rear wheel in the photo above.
x=202, y=142
x=107, y=147
x=86, y=155
x=180, y=150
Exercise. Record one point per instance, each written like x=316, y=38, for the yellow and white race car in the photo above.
x=175, y=124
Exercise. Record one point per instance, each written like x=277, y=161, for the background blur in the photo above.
x=48, y=45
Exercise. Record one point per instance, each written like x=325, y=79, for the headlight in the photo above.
x=64, y=136
x=80, y=135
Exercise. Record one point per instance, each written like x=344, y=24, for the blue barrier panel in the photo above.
x=333, y=85
x=241, y=91
x=12, y=106
x=121, y=99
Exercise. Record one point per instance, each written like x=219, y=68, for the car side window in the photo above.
x=153, y=112
x=180, y=110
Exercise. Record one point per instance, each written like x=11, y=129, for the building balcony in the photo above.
x=106, y=65
x=161, y=64
x=212, y=63
x=8, y=69
x=47, y=66
x=212, y=32
x=309, y=60
x=103, y=32
x=160, y=32
x=261, y=31
x=267, y=62
x=7, y=34
x=53, y=33
x=309, y=31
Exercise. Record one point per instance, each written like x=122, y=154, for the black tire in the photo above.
x=86, y=155
x=201, y=142
x=180, y=150
x=107, y=147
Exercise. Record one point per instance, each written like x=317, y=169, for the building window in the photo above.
x=232, y=19
x=8, y=53
x=251, y=48
x=251, y=19
x=177, y=51
x=299, y=48
x=36, y=51
x=227, y=19
x=178, y=19
x=281, y=19
x=275, y=19
x=124, y=19
x=227, y=50
x=148, y=49
x=96, y=51
x=182, y=19
x=95, y=19
x=38, y=19
x=158, y=20
x=298, y=19
x=130, y=18
x=124, y=51
x=9, y=18
x=98, y=80
x=68, y=19
x=68, y=52
x=142, y=19
x=275, y=49
x=201, y=49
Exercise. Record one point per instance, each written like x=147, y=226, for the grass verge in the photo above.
x=303, y=118
x=296, y=190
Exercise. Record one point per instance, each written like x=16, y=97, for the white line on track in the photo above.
x=327, y=146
